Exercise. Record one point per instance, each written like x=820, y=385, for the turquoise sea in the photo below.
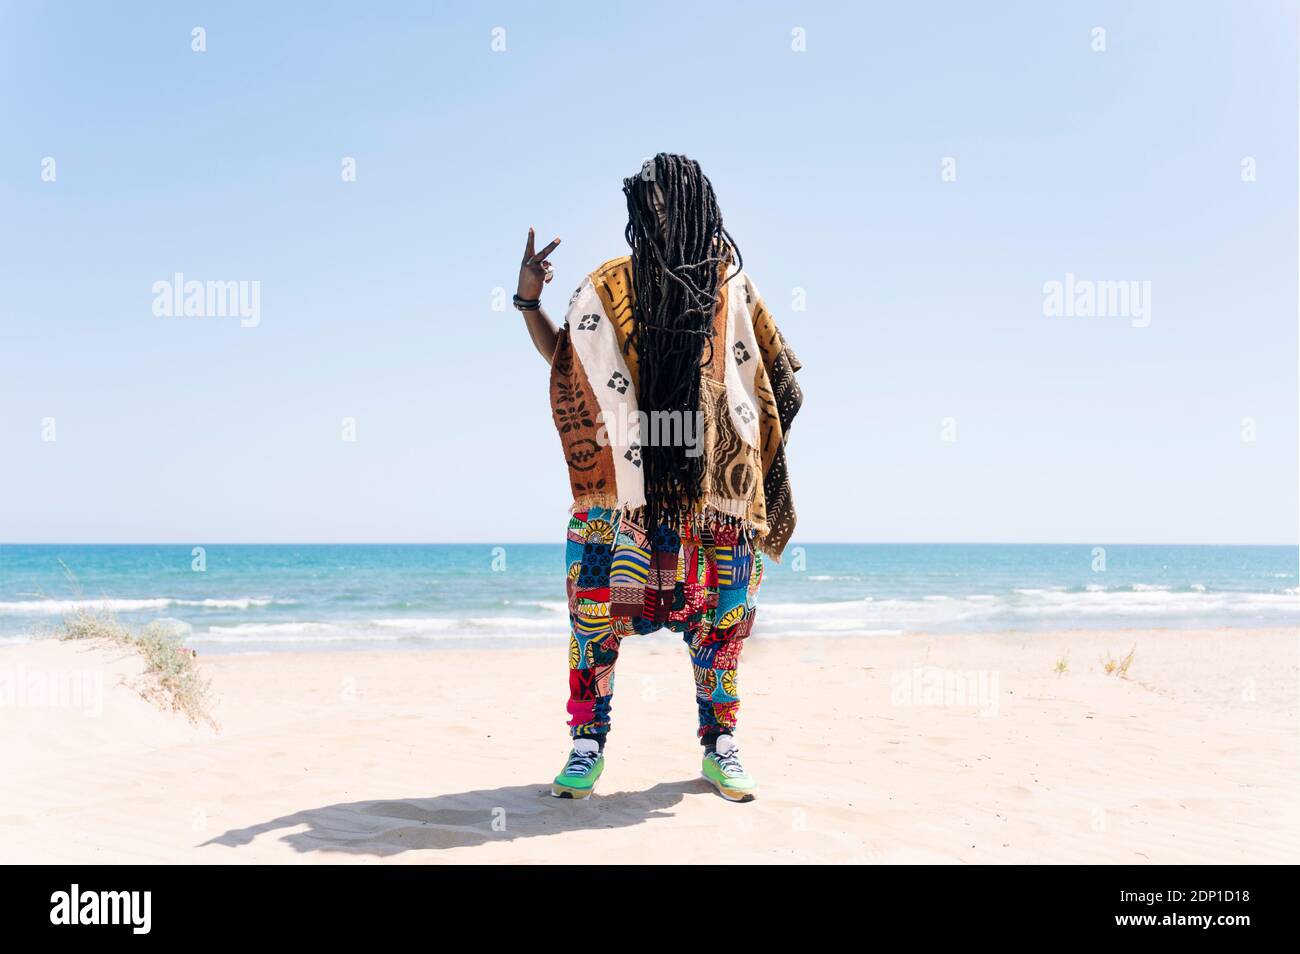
x=327, y=597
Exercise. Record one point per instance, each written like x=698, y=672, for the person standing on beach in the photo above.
x=673, y=392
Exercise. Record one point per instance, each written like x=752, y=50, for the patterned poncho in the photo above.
x=748, y=398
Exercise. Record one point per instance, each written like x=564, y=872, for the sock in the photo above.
x=710, y=741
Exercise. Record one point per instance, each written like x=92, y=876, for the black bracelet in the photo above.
x=527, y=304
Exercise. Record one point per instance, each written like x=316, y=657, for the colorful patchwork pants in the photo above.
x=622, y=580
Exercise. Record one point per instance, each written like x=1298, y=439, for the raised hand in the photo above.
x=535, y=270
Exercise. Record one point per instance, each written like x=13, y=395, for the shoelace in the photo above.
x=730, y=763
x=580, y=763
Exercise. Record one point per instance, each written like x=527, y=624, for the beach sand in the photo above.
x=867, y=749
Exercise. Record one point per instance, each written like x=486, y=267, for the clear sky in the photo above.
x=924, y=297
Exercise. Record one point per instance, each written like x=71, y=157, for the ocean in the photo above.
x=269, y=598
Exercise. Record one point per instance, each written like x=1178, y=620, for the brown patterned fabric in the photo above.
x=613, y=282
x=733, y=473
x=715, y=368
x=746, y=483
x=781, y=395
x=574, y=410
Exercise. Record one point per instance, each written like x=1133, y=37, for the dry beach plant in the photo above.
x=171, y=675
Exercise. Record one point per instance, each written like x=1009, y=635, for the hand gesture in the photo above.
x=535, y=270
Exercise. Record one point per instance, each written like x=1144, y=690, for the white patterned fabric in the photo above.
x=743, y=355
x=596, y=343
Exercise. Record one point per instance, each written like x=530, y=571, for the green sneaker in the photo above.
x=578, y=780
x=722, y=769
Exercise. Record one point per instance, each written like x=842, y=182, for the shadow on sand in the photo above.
x=464, y=819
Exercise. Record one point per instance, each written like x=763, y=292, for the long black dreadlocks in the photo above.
x=677, y=269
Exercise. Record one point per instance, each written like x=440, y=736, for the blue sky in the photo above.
x=924, y=297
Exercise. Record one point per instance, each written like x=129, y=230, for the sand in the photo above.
x=867, y=749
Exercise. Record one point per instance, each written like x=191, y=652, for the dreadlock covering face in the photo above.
x=680, y=251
